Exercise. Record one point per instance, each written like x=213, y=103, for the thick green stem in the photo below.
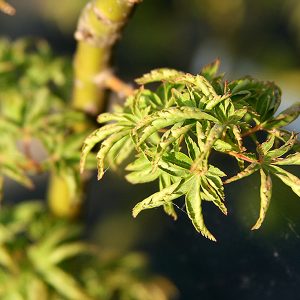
x=98, y=29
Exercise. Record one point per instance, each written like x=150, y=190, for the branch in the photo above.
x=98, y=29
x=254, y=129
x=106, y=79
x=241, y=156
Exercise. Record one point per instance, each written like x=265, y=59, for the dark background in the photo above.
x=252, y=37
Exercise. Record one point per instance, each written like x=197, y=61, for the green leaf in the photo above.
x=179, y=159
x=215, y=101
x=121, y=118
x=216, y=183
x=36, y=289
x=222, y=146
x=67, y=251
x=17, y=174
x=200, y=136
x=169, y=137
x=292, y=159
x=285, y=118
x=214, y=171
x=7, y=261
x=162, y=74
x=283, y=149
x=199, y=82
x=211, y=192
x=119, y=152
x=65, y=284
x=238, y=136
x=262, y=98
x=169, y=210
x=94, y=138
x=165, y=181
x=287, y=178
x=105, y=148
x=237, y=115
x=210, y=71
x=193, y=149
x=246, y=172
x=174, y=169
x=265, y=196
x=265, y=147
x=138, y=164
x=168, y=117
x=268, y=101
x=36, y=110
x=184, y=98
x=157, y=199
x=58, y=235
x=213, y=135
x=194, y=209
x=145, y=174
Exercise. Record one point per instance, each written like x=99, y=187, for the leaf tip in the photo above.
x=212, y=238
x=100, y=174
x=207, y=234
x=135, y=212
x=256, y=226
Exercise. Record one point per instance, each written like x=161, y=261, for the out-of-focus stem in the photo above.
x=99, y=27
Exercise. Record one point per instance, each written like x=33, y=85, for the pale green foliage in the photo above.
x=34, y=86
x=171, y=132
x=42, y=258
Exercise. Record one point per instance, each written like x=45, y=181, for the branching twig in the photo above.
x=108, y=80
x=254, y=129
x=241, y=156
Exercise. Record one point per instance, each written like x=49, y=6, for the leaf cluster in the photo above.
x=42, y=257
x=169, y=135
x=35, y=113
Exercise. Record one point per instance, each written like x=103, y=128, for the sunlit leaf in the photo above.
x=210, y=71
x=105, y=148
x=95, y=137
x=283, y=149
x=284, y=118
x=292, y=159
x=265, y=196
x=168, y=117
x=193, y=149
x=168, y=138
x=287, y=178
x=266, y=146
x=165, y=181
x=157, y=199
x=194, y=209
x=145, y=174
x=246, y=172
x=159, y=75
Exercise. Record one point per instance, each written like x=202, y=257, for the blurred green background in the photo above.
x=251, y=37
